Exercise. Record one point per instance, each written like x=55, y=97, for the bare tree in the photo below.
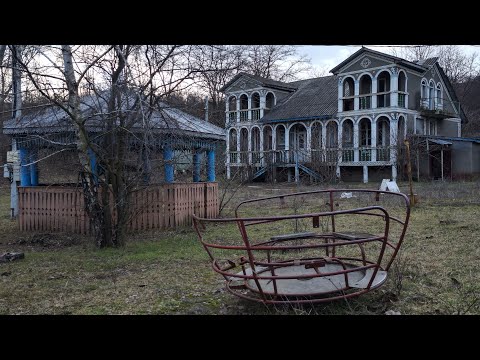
x=278, y=62
x=114, y=89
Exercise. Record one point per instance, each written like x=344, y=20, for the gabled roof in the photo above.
x=269, y=83
x=452, y=93
x=314, y=98
x=392, y=58
x=165, y=119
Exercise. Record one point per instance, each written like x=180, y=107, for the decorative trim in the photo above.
x=365, y=62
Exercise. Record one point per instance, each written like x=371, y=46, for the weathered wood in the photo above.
x=57, y=208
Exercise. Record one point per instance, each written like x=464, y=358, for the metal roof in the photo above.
x=439, y=142
x=263, y=82
x=164, y=119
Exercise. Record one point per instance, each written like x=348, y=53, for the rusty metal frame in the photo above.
x=247, y=283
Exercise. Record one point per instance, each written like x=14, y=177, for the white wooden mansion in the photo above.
x=349, y=123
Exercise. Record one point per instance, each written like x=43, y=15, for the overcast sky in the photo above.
x=327, y=57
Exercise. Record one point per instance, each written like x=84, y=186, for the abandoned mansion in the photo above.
x=350, y=125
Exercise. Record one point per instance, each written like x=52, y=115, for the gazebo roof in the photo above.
x=164, y=119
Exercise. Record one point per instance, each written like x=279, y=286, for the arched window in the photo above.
x=439, y=97
x=255, y=106
x=424, y=94
x=243, y=107
x=267, y=138
x=232, y=109
x=402, y=90
x=348, y=92
x=365, y=90
x=316, y=136
x=383, y=89
x=347, y=134
x=332, y=134
x=269, y=101
x=431, y=96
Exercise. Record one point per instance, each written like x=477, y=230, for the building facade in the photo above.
x=344, y=126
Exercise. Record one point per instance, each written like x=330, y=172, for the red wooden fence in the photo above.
x=58, y=208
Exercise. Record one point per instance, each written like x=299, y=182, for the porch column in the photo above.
x=374, y=140
x=274, y=138
x=339, y=146
x=238, y=109
x=227, y=148
x=393, y=146
x=227, y=109
x=197, y=161
x=340, y=95
x=93, y=164
x=356, y=154
x=287, y=145
x=211, y=165
x=249, y=114
x=25, y=179
x=262, y=103
x=238, y=145
x=374, y=93
x=356, y=101
x=324, y=142
x=394, y=88
x=262, y=154
x=168, y=163
x=365, y=174
x=309, y=142
x=249, y=147
x=34, y=168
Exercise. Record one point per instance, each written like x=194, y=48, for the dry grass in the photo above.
x=169, y=272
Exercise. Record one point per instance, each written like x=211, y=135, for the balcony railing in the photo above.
x=365, y=154
x=255, y=114
x=243, y=115
x=348, y=155
x=383, y=100
x=329, y=156
x=365, y=102
x=383, y=153
x=232, y=117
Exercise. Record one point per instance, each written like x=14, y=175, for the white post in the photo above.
x=262, y=154
x=249, y=146
x=249, y=113
x=14, y=185
x=274, y=138
x=374, y=93
x=356, y=154
x=394, y=88
x=238, y=145
x=287, y=145
x=356, y=101
x=365, y=174
x=324, y=141
x=374, y=140
x=340, y=95
x=393, y=146
x=309, y=142
x=227, y=110
x=262, y=104
x=339, y=146
x=238, y=109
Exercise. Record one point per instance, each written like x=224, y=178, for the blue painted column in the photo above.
x=93, y=164
x=211, y=165
x=25, y=179
x=197, y=160
x=34, y=168
x=168, y=160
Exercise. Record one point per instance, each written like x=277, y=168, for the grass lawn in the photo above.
x=169, y=272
